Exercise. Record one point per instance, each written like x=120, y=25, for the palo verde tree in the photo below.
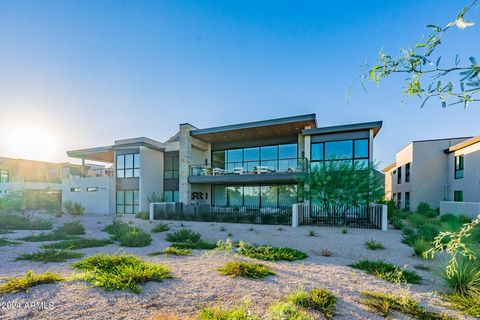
x=427, y=75
x=338, y=184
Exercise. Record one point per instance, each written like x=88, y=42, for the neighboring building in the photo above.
x=248, y=164
x=21, y=175
x=420, y=173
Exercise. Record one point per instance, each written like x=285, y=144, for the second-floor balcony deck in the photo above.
x=277, y=170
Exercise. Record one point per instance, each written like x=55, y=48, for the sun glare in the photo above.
x=31, y=142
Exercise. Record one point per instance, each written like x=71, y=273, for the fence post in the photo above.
x=295, y=207
x=152, y=210
x=384, y=217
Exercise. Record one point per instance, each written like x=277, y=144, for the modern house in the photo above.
x=248, y=164
x=432, y=171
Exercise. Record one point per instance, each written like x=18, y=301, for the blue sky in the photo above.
x=89, y=72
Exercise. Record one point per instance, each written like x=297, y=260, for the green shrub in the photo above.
x=245, y=270
x=469, y=305
x=287, y=311
x=385, y=303
x=424, y=208
x=176, y=251
x=312, y=233
x=397, y=222
x=374, y=245
x=466, y=281
x=417, y=219
x=30, y=279
x=420, y=246
x=5, y=242
x=117, y=229
x=120, y=271
x=50, y=255
x=135, y=238
x=217, y=313
x=79, y=243
x=318, y=299
x=326, y=253
x=428, y=231
x=52, y=236
x=344, y=230
x=11, y=221
x=161, y=227
x=270, y=253
x=144, y=215
x=199, y=245
x=184, y=236
x=72, y=228
x=387, y=271
x=73, y=208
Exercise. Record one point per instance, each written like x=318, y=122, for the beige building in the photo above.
x=420, y=173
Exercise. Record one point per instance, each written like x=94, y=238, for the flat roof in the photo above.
x=375, y=125
x=463, y=144
x=257, y=129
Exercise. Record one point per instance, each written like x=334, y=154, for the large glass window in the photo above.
x=128, y=165
x=219, y=196
x=340, y=153
x=264, y=159
x=407, y=174
x=4, y=175
x=127, y=201
x=235, y=195
x=269, y=196
x=254, y=195
x=170, y=196
x=287, y=195
x=459, y=167
x=171, y=167
x=251, y=196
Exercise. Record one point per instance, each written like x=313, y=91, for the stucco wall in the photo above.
x=470, y=209
x=19, y=185
x=470, y=183
x=97, y=202
x=151, y=175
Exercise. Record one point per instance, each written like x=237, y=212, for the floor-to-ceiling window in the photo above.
x=337, y=153
x=273, y=158
x=254, y=195
x=128, y=165
x=127, y=201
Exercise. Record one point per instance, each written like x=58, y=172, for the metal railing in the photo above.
x=276, y=215
x=361, y=216
x=286, y=165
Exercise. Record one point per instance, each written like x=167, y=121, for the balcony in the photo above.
x=278, y=170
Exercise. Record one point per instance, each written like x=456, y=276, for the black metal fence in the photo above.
x=364, y=217
x=281, y=215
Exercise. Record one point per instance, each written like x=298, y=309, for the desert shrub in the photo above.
x=424, y=208
x=161, y=227
x=183, y=236
x=51, y=236
x=385, y=303
x=30, y=279
x=120, y=271
x=199, y=245
x=326, y=253
x=117, y=228
x=373, y=245
x=469, y=305
x=50, y=255
x=135, y=238
x=417, y=220
x=73, y=208
x=466, y=281
x=218, y=313
x=344, y=230
x=176, y=251
x=397, y=222
x=245, y=269
x=312, y=233
x=79, y=243
x=270, y=253
x=11, y=202
x=11, y=221
x=287, y=311
x=5, y=242
x=144, y=215
x=318, y=299
x=73, y=228
x=428, y=231
x=387, y=271
x=420, y=246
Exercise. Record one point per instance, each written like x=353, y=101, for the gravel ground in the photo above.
x=196, y=283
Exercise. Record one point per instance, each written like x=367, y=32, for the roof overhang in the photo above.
x=256, y=130
x=463, y=144
x=389, y=167
x=100, y=154
x=374, y=125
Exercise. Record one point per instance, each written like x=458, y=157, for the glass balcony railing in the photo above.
x=277, y=166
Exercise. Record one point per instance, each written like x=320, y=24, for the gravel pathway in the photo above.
x=196, y=283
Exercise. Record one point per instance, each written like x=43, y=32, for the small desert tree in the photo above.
x=339, y=184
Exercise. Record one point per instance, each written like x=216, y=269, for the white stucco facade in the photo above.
x=95, y=194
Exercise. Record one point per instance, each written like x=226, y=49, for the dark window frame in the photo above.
x=324, y=161
x=399, y=175
x=459, y=166
x=135, y=169
x=135, y=205
x=407, y=200
x=458, y=195
x=407, y=172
